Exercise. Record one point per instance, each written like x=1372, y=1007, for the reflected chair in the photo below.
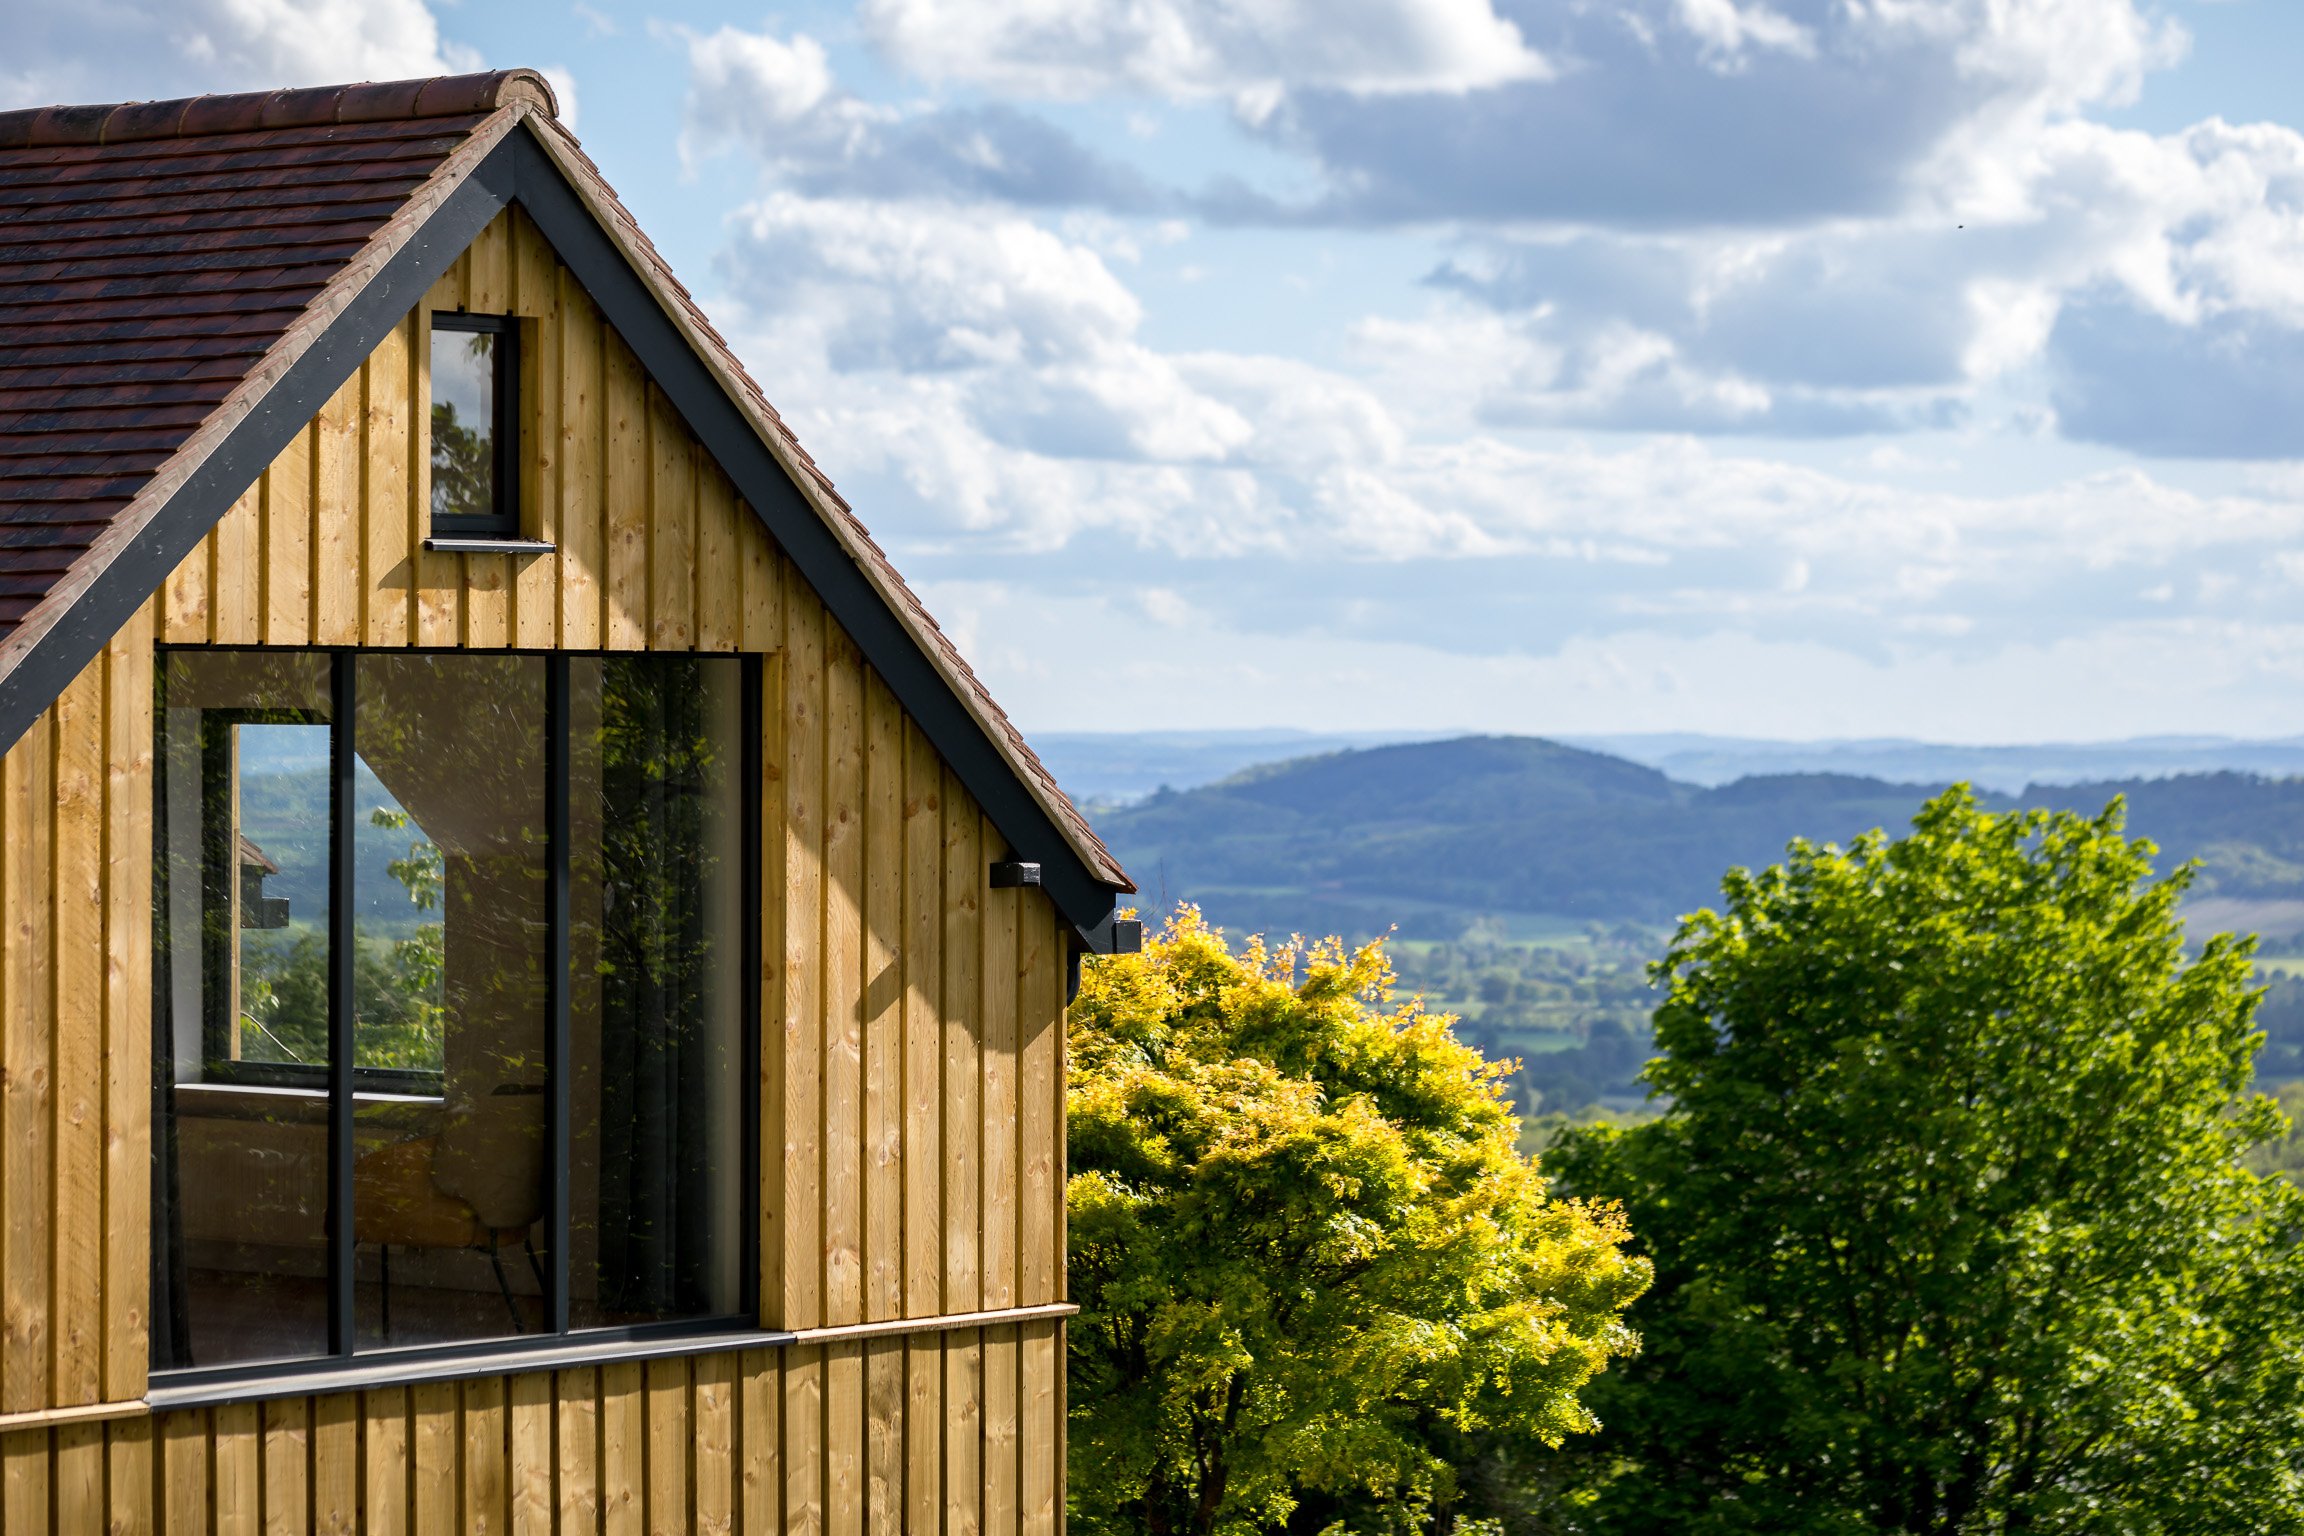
x=397, y=1201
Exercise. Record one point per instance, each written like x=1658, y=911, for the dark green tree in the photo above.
x=1950, y=1222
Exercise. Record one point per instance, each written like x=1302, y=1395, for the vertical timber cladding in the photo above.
x=912, y=1071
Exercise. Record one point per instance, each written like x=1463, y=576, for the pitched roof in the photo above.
x=163, y=265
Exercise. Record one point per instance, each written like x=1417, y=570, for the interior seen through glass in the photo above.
x=452, y=862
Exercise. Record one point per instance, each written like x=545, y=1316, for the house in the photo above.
x=532, y=976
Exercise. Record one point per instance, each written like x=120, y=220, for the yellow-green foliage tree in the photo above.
x=1305, y=1246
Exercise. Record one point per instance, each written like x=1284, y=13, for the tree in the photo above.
x=1947, y=1206
x=1303, y=1244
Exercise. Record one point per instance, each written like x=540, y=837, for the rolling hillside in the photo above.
x=1530, y=882
x=1434, y=836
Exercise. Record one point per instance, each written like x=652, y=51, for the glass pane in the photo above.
x=450, y=872
x=655, y=993
x=463, y=423
x=240, y=1054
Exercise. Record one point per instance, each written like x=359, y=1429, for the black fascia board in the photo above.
x=728, y=434
x=521, y=170
x=178, y=526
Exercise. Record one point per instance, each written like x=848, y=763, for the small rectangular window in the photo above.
x=475, y=471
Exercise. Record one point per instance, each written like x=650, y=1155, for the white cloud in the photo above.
x=741, y=84
x=1072, y=49
x=1728, y=29
x=983, y=385
x=148, y=49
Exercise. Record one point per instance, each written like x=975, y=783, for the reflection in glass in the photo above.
x=451, y=863
x=240, y=1048
x=464, y=371
x=655, y=994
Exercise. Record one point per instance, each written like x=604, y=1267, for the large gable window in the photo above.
x=475, y=434
x=452, y=975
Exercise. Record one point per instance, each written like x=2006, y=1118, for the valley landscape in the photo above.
x=1527, y=883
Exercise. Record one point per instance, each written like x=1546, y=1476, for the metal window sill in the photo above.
x=499, y=1358
x=504, y=1357
x=489, y=546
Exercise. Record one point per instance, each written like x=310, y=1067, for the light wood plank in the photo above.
x=1002, y=910
x=79, y=1477
x=883, y=1001
x=338, y=542
x=713, y=1468
x=287, y=1466
x=336, y=1465
x=802, y=1197
x=844, y=1439
x=487, y=1486
x=721, y=560
x=843, y=969
x=671, y=528
x=488, y=267
x=668, y=1447
x=581, y=531
x=774, y=1020
x=128, y=1007
x=531, y=1412
x=76, y=964
x=129, y=1479
x=578, y=1397
x=387, y=1467
x=963, y=1021
x=763, y=584
x=184, y=598
x=388, y=503
x=435, y=1449
x=623, y=1451
x=923, y=918
x=803, y=1443
x=1002, y=1473
x=624, y=399
x=759, y=1441
x=29, y=1130
x=923, y=1432
x=963, y=1432
x=1038, y=1093
x=184, y=1471
x=238, y=1469
x=237, y=581
x=1042, y=1370
x=24, y=1490
x=884, y=1436
x=536, y=296
x=287, y=531
x=487, y=591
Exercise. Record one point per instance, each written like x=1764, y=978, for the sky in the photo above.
x=1788, y=368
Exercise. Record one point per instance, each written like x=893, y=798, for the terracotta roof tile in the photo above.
x=155, y=256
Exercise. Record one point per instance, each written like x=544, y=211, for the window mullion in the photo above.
x=341, y=1004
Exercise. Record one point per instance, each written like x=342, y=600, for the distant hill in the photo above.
x=1105, y=766
x=1433, y=836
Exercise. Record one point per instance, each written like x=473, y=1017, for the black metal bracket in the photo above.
x=1014, y=874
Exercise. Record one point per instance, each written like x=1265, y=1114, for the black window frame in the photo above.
x=504, y=521
x=343, y=1362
